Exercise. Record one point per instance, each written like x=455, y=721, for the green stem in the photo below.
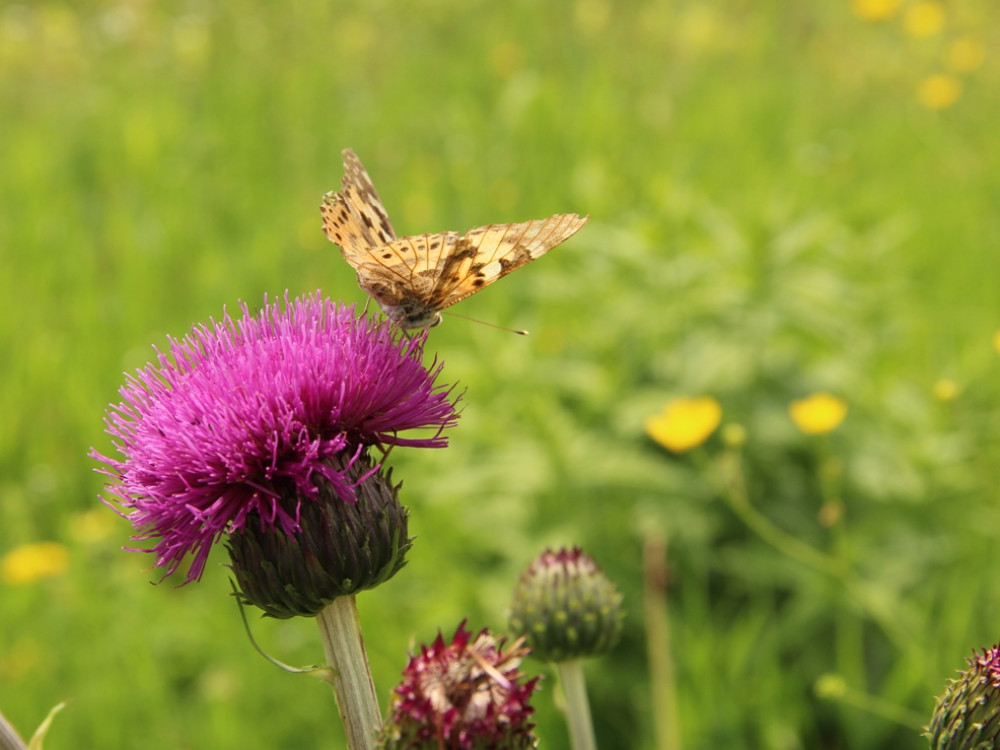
x=581, y=727
x=661, y=666
x=874, y=603
x=344, y=647
x=739, y=502
x=878, y=706
x=9, y=738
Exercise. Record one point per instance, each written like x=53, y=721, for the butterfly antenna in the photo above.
x=484, y=323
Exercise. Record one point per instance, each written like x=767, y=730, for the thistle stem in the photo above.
x=661, y=665
x=9, y=738
x=344, y=648
x=581, y=727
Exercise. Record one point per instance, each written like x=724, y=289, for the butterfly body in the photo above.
x=413, y=278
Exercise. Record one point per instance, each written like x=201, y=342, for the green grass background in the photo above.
x=772, y=212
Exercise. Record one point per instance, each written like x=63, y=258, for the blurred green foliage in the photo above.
x=776, y=206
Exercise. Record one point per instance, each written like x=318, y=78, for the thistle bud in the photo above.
x=565, y=607
x=340, y=548
x=967, y=716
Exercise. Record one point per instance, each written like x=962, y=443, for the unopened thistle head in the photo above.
x=967, y=716
x=566, y=607
x=465, y=695
x=256, y=428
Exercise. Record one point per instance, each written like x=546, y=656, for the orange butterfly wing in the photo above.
x=414, y=278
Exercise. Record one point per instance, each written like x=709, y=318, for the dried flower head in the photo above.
x=463, y=695
x=241, y=422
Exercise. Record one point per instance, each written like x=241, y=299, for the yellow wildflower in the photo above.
x=874, y=10
x=92, y=526
x=946, y=389
x=685, y=423
x=734, y=435
x=831, y=686
x=965, y=55
x=996, y=342
x=30, y=562
x=924, y=19
x=939, y=91
x=506, y=58
x=818, y=414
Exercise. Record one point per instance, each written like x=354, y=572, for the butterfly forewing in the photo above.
x=354, y=218
x=486, y=254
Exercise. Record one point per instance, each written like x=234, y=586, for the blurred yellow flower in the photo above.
x=946, y=389
x=939, y=91
x=685, y=423
x=831, y=686
x=734, y=435
x=92, y=526
x=191, y=42
x=924, y=19
x=818, y=413
x=506, y=58
x=874, y=10
x=965, y=55
x=996, y=342
x=592, y=16
x=30, y=562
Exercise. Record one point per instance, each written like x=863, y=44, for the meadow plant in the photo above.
x=567, y=610
x=967, y=715
x=261, y=431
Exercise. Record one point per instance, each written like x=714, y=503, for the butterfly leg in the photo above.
x=386, y=451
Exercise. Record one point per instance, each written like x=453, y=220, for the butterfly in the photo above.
x=414, y=278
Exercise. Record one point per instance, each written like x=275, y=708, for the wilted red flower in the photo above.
x=463, y=695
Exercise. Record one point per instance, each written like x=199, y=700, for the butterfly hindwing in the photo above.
x=486, y=254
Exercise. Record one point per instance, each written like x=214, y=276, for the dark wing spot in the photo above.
x=463, y=249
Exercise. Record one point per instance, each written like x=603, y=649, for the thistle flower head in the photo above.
x=967, y=716
x=243, y=421
x=340, y=548
x=463, y=695
x=566, y=607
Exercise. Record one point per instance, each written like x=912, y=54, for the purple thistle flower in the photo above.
x=241, y=415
